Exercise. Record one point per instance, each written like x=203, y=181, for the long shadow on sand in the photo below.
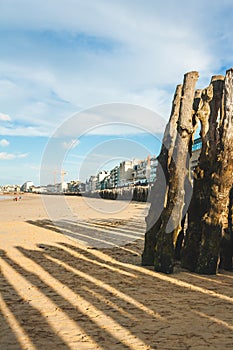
x=115, y=302
x=102, y=290
x=32, y=323
x=100, y=234
x=7, y=335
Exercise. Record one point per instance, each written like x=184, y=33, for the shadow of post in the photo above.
x=32, y=323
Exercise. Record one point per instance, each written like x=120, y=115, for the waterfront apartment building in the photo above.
x=125, y=173
x=10, y=189
x=101, y=176
x=145, y=171
x=26, y=186
x=114, y=177
x=152, y=169
x=91, y=184
x=196, y=151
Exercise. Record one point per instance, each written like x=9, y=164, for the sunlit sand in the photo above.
x=75, y=282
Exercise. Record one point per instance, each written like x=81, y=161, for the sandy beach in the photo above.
x=71, y=279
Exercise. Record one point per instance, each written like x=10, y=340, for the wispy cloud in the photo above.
x=57, y=59
x=24, y=131
x=10, y=156
x=4, y=143
x=70, y=144
x=5, y=117
x=22, y=155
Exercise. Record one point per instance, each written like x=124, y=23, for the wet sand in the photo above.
x=71, y=279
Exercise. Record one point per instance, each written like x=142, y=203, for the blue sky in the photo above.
x=59, y=58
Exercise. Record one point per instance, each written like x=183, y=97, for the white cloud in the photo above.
x=6, y=156
x=112, y=119
x=4, y=143
x=101, y=52
x=22, y=155
x=25, y=131
x=70, y=144
x=5, y=117
x=10, y=156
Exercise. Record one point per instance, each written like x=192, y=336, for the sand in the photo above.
x=71, y=279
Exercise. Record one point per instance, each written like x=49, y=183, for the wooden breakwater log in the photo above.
x=209, y=110
x=180, y=234
x=158, y=193
x=179, y=178
x=133, y=193
x=226, y=251
x=215, y=231
x=141, y=193
x=208, y=237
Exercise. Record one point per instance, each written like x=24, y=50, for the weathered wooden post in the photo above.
x=209, y=110
x=226, y=250
x=188, y=188
x=208, y=240
x=179, y=177
x=215, y=223
x=159, y=190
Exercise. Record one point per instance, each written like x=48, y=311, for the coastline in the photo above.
x=6, y=197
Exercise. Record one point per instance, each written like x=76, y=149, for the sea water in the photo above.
x=6, y=197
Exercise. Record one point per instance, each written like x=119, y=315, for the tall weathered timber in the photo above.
x=208, y=242
x=159, y=190
x=188, y=184
x=215, y=223
x=209, y=110
x=179, y=179
x=226, y=251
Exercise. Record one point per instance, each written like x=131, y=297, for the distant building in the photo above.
x=61, y=187
x=105, y=183
x=114, y=177
x=57, y=188
x=125, y=173
x=196, y=151
x=145, y=171
x=153, y=168
x=37, y=189
x=26, y=186
x=100, y=177
x=51, y=188
x=10, y=188
x=82, y=187
x=91, y=184
x=73, y=186
x=140, y=171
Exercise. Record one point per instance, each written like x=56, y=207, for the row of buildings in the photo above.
x=28, y=186
x=14, y=189
x=10, y=189
x=61, y=187
x=127, y=173
x=134, y=172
